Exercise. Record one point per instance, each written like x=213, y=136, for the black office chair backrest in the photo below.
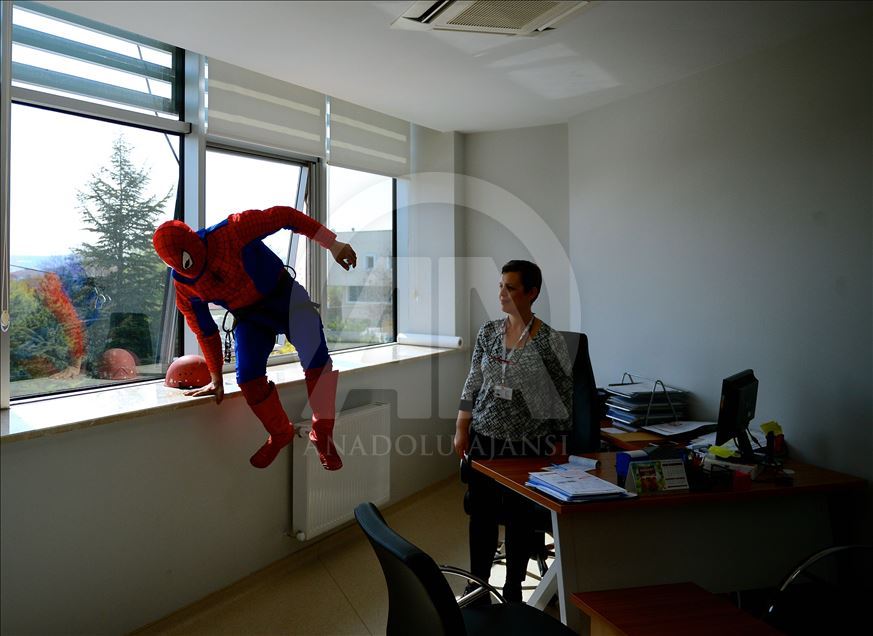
x=420, y=601
x=829, y=593
x=585, y=416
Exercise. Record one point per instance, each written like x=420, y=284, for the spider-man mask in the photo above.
x=180, y=248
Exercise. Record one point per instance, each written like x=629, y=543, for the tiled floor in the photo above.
x=339, y=587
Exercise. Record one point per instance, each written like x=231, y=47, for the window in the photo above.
x=95, y=146
x=237, y=181
x=87, y=293
x=57, y=53
x=360, y=302
x=86, y=287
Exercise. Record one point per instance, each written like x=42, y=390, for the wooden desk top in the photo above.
x=632, y=440
x=513, y=473
x=679, y=609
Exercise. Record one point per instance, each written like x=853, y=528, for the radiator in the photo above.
x=322, y=499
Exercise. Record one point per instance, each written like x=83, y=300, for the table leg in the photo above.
x=548, y=587
x=566, y=559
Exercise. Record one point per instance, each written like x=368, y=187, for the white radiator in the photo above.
x=324, y=499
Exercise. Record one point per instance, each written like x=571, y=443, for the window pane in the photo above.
x=87, y=288
x=237, y=182
x=51, y=53
x=359, y=308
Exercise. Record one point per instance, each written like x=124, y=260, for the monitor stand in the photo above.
x=744, y=445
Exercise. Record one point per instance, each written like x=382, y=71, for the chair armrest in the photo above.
x=467, y=598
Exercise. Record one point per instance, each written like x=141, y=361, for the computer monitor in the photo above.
x=739, y=393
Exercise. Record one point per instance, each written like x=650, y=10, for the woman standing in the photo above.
x=516, y=401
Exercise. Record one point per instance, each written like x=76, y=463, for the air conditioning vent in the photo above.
x=507, y=17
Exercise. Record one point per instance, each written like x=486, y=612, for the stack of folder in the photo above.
x=629, y=403
x=574, y=485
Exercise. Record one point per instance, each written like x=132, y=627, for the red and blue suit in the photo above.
x=229, y=265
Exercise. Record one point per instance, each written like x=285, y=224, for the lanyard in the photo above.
x=505, y=360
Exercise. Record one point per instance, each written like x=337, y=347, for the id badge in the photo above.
x=502, y=392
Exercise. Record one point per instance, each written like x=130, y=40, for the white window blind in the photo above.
x=363, y=139
x=250, y=107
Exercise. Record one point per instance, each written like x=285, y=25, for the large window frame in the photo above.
x=48, y=98
x=189, y=105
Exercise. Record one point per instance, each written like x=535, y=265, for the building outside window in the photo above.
x=360, y=302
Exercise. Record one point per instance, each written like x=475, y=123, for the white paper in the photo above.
x=613, y=431
x=676, y=428
x=585, y=463
x=575, y=483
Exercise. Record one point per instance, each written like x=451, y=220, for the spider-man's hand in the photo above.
x=344, y=255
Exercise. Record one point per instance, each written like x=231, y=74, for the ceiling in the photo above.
x=468, y=81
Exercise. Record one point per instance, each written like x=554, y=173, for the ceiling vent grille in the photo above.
x=507, y=17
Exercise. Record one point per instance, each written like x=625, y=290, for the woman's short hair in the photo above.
x=530, y=273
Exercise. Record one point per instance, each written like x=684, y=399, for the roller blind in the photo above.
x=363, y=139
x=246, y=106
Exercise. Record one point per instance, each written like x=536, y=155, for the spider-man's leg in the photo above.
x=306, y=333
x=253, y=344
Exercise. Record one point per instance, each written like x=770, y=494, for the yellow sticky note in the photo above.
x=722, y=452
x=773, y=426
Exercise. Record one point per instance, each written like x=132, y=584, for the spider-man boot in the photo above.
x=263, y=399
x=321, y=385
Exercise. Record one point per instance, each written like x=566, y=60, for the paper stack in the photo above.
x=628, y=404
x=574, y=484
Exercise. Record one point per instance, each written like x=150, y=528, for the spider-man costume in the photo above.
x=227, y=264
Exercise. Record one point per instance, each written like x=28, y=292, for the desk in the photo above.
x=678, y=609
x=636, y=440
x=723, y=541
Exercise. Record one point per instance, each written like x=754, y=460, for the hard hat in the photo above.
x=117, y=364
x=180, y=248
x=188, y=372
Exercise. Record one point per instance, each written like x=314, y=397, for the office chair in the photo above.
x=421, y=602
x=829, y=593
x=584, y=436
x=585, y=416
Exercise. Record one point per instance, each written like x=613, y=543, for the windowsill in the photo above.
x=54, y=415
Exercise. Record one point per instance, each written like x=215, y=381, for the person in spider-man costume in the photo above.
x=227, y=264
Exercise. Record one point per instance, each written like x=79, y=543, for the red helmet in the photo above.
x=117, y=364
x=188, y=372
x=180, y=248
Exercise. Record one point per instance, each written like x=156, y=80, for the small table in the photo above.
x=677, y=609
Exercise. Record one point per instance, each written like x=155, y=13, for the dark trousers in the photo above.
x=491, y=504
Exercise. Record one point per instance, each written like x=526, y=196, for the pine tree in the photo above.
x=116, y=207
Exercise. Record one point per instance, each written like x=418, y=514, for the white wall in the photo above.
x=516, y=195
x=428, y=222
x=110, y=528
x=724, y=222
